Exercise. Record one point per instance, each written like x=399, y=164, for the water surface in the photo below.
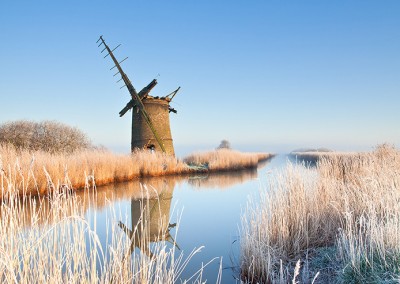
x=206, y=210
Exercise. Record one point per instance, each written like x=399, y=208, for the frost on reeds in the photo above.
x=341, y=218
x=48, y=136
x=31, y=170
x=226, y=159
x=66, y=248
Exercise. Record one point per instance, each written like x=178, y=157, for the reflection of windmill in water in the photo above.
x=150, y=221
x=150, y=115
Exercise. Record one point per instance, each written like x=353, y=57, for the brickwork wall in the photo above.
x=142, y=136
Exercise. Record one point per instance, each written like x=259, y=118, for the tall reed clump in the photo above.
x=341, y=218
x=32, y=169
x=226, y=159
x=66, y=248
x=79, y=168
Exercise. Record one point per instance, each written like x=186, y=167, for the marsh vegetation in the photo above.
x=47, y=136
x=35, y=169
x=224, y=159
x=341, y=218
x=52, y=240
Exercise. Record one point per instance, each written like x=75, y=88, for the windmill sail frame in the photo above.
x=139, y=101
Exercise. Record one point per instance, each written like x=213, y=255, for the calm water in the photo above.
x=207, y=209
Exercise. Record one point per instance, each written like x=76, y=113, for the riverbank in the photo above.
x=57, y=239
x=39, y=173
x=226, y=160
x=341, y=218
x=312, y=157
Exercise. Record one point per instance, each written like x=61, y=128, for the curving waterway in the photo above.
x=191, y=211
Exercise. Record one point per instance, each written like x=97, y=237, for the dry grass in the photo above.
x=66, y=248
x=225, y=159
x=32, y=170
x=342, y=218
x=314, y=156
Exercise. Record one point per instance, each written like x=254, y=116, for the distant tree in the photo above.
x=225, y=144
x=48, y=136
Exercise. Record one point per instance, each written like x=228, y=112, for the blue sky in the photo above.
x=266, y=75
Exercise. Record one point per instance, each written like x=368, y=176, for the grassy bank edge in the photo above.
x=35, y=173
x=341, y=218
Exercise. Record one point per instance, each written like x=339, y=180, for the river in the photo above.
x=206, y=207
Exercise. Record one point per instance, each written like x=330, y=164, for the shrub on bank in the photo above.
x=47, y=136
x=47, y=149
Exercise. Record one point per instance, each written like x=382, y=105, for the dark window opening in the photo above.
x=152, y=148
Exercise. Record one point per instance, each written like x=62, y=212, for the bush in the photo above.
x=225, y=144
x=48, y=136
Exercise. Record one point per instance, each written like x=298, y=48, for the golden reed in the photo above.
x=33, y=172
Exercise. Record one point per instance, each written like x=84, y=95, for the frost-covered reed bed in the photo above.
x=58, y=243
x=342, y=219
x=315, y=156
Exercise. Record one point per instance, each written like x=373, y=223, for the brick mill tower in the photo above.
x=150, y=218
x=150, y=115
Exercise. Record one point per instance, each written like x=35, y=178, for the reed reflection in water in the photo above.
x=156, y=191
x=99, y=199
x=222, y=180
x=210, y=217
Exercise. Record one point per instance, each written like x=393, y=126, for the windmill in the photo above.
x=150, y=222
x=150, y=115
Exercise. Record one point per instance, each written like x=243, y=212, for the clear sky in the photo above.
x=266, y=75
